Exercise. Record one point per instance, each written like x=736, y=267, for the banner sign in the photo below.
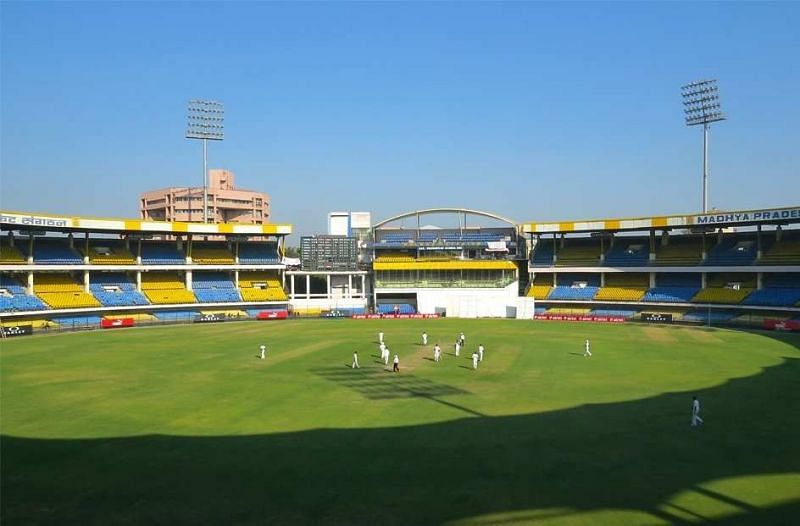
x=579, y=317
x=393, y=316
x=113, y=323
x=272, y=315
x=782, y=325
x=16, y=330
x=747, y=217
x=31, y=220
x=656, y=317
x=208, y=318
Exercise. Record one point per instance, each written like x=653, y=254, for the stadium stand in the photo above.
x=578, y=253
x=162, y=254
x=258, y=254
x=623, y=287
x=402, y=308
x=734, y=250
x=624, y=313
x=54, y=252
x=575, y=287
x=77, y=321
x=261, y=286
x=115, y=289
x=207, y=254
x=628, y=252
x=176, y=315
x=11, y=255
x=13, y=297
x=165, y=288
x=109, y=252
x=214, y=287
x=726, y=288
x=784, y=252
x=394, y=257
x=709, y=315
x=541, y=286
x=682, y=250
x=674, y=288
x=60, y=291
x=543, y=253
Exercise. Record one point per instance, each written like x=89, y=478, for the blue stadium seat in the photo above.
x=161, y=254
x=115, y=289
x=17, y=300
x=563, y=292
x=773, y=296
x=52, y=252
x=625, y=313
x=733, y=251
x=258, y=254
x=628, y=253
x=671, y=294
x=404, y=308
x=715, y=316
x=214, y=287
x=543, y=255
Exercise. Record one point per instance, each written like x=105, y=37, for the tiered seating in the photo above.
x=733, y=251
x=624, y=313
x=578, y=254
x=684, y=251
x=211, y=255
x=403, y=308
x=165, y=288
x=103, y=252
x=628, y=253
x=719, y=289
x=261, y=286
x=543, y=253
x=54, y=252
x=577, y=311
x=176, y=315
x=541, y=286
x=11, y=255
x=78, y=321
x=396, y=239
x=575, y=287
x=115, y=289
x=784, y=252
x=712, y=316
x=623, y=287
x=780, y=290
x=60, y=291
x=214, y=287
x=674, y=288
x=394, y=258
x=162, y=254
x=258, y=254
x=13, y=297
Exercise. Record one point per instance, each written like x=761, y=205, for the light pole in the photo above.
x=701, y=106
x=205, y=121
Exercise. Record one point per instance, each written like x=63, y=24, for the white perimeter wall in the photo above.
x=468, y=303
x=324, y=303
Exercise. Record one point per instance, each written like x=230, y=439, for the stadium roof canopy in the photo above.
x=428, y=211
x=55, y=223
x=712, y=220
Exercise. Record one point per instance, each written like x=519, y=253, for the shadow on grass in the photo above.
x=634, y=455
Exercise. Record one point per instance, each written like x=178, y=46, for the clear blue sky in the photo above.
x=530, y=110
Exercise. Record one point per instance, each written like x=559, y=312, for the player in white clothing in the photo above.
x=396, y=366
x=462, y=338
x=355, y=360
x=586, y=348
x=474, y=360
x=696, y=420
x=458, y=347
x=380, y=337
x=480, y=352
x=386, y=356
x=437, y=353
x=263, y=351
x=424, y=338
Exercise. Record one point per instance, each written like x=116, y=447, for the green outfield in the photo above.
x=185, y=424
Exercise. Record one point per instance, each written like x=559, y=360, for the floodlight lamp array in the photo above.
x=701, y=102
x=205, y=120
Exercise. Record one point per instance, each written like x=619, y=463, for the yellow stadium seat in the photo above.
x=620, y=293
x=539, y=292
x=212, y=256
x=721, y=295
x=165, y=288
x=11, y=256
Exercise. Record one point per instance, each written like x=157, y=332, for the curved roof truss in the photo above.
x=447, y=210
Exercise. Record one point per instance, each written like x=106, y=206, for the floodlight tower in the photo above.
x=701, y=106
x=205, y=121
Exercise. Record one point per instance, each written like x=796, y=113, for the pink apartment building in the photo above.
x=226, y=204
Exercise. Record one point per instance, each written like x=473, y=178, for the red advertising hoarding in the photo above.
x=272, y=315
x=579, y=317
x=114, y=323
x=393, y=316
x=782, y=325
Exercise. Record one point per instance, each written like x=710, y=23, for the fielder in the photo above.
x=480, y=352
x=424, y=338
x=474, y=360
x=263, y=351
x=396, y=366
x=380, y=337
x=355, y=361
x=462, y=338
x=586, y=350
x=696, y=420
x=385, y=356
x=458, y=347
x=437, y=353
